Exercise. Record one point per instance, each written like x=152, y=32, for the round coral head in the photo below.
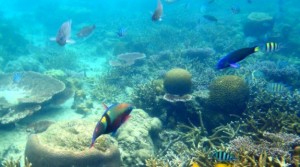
x=178, y=81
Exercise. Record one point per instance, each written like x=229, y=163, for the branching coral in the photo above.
x=16, y=163
x=154, y=162
x=149, y=96
x=256, y=122
x=272, y=148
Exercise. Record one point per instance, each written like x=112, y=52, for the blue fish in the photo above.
x=222, y=156
x=231, y=59
x=122, y=32
x=17, y=77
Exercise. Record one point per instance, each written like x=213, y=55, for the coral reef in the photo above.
x=39, y=126
x=56, y=73
x=127, y=59
x=12, y=43
x=58, y=59
x=274, y=145
x=30, y=94
x=258, y=24
x=178, y=81
x=148, y=96
x=16, y=163
x=135, y=138
x=24, y=63
x=66, y=144
x=229, y=94
x=199, y=54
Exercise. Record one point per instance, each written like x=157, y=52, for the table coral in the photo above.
x=30, y=94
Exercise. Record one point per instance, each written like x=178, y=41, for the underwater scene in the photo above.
x=150, y=83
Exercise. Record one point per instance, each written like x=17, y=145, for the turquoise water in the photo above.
x=127, y=58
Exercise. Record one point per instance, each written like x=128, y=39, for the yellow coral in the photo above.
x=178, y=81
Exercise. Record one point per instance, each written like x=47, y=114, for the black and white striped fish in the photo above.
x=271, y=47
x=223, y=156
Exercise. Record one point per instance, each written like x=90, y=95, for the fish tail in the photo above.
x=92, y=145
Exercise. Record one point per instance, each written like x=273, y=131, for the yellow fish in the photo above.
x=194, y=164
x=221, y=164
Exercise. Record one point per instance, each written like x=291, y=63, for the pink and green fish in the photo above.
x=113, y=117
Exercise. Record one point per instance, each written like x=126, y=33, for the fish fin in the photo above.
x=92, y=145
x=113, y=133
x=126, y=118
x=52, y=39
x=160, y=19
x=234, y=65
x=70, y=41
x=105, y=106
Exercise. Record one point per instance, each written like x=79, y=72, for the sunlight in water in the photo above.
x=13, y=95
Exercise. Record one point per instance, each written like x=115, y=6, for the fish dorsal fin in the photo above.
x=105, y=106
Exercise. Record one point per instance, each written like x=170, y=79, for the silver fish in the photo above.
x=86, y=31
x=64, y=33
x=158, y=12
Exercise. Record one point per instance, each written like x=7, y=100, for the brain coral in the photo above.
x=178, y=81
x=229, y=94
x=67, y=144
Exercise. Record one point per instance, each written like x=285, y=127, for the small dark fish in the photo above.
x=64, y=34
x=113, y=117
x=210, y=18
x=17, y=77
x=235, y=9
x=86, y=31
x=158, y=12
x=222, y=156
x=122, y=32
x=231, y=59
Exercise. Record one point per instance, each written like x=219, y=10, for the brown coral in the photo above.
x=229, y=94
x=66, y=144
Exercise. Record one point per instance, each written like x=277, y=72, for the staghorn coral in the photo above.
x=149, y=96
x=274, y=148
x=256, y=122
x=154, y=162
x=229, y=94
